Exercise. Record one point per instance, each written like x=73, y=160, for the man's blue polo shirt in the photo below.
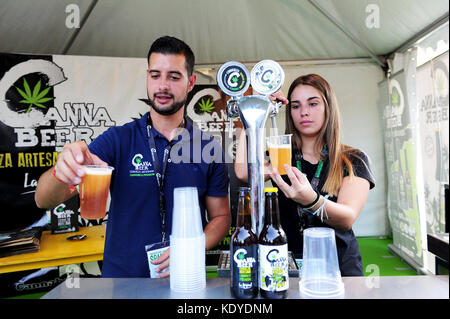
x=133, y=218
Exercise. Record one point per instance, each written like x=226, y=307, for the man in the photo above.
x=134, y=218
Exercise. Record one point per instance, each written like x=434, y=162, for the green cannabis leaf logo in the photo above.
x=207, y=106
x=34, y=98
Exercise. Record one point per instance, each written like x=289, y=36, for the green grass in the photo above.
x=377, y=258
x=36, y=295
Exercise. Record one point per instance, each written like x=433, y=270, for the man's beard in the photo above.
x=172, y=109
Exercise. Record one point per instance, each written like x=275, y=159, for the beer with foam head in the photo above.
x=94, y=191
x=280, y=151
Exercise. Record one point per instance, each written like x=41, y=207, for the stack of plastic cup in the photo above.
x=320, y=277
x=187, y=243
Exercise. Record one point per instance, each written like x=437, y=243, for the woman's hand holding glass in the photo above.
x=300, y=189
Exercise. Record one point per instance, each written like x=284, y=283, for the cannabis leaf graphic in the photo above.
x=35, y=98
x=207, y=106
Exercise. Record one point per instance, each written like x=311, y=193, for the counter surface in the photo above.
x=401, y=287
x=56, y=250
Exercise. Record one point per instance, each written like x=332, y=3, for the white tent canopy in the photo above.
x=349, y=42
x=219, y=31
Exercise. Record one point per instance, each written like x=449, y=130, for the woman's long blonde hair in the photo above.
x=329, y=134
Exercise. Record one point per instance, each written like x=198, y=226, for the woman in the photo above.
x=328, y=182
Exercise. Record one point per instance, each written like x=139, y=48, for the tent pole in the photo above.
x=374, y=57
x=430, y=28
x=77, y=30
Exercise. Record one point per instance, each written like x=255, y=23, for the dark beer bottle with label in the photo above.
x=273, y=251
x=244, y=251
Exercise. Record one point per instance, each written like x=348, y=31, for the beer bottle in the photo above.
x=244, y=251
x=273, y=251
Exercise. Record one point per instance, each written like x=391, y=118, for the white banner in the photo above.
x=433, y=103
x=99, y=92
x=48, y=101
x=397, y=100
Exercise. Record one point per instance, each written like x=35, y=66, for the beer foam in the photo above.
x=278, y=145
x=98, y=170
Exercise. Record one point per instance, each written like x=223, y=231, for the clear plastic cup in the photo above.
x=187, y=263
x=186, y=219
x=320, y=276
x=280, y=151
x=187, y=243
x=189, y=251
x=188, y=254
x=94, y=191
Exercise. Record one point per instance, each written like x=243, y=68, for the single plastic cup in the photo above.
x=320, y=276
x=280, y=151
x=186, y=219
x=94, y=191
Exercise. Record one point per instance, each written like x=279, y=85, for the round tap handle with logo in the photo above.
x=233, y=79
x=266, y=78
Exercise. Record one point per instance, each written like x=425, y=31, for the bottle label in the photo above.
x=245, y=266
x=274, y=267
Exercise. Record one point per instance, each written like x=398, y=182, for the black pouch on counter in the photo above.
x=64, y=217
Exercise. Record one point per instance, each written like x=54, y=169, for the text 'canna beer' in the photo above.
x=273, y=251
x=244, y=251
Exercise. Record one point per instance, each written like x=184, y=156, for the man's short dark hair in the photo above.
x=171, y=45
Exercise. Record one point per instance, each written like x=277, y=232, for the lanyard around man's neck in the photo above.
x=160, y=171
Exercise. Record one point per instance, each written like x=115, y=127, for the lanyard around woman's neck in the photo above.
x=316, y=178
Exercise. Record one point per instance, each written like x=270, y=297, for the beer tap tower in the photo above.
x=266, y=78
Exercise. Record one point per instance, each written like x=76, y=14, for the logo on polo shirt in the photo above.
x=141, y=167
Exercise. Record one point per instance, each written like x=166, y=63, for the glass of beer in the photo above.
x=94, y=191
x=280, y=151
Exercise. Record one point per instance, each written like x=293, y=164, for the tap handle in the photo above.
x=274, y=126
x=275, y=109
x=233, y=112
x=273, y=113
x=230, y=128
